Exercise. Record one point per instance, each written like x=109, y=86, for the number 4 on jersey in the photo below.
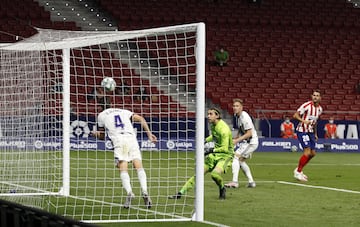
x=118, y=121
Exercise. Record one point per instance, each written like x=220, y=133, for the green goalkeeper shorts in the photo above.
x=220, y=160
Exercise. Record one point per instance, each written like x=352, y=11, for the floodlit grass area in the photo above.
x=331, y=198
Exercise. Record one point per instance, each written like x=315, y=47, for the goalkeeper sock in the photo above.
x=235, y=169
x=246, y=169
x=188, y=185
x=142, y=179
x=217, y=178
x=125, y=179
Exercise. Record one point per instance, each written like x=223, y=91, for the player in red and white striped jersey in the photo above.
x=307, y=115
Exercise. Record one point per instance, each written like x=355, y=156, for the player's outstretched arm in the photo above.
x=145, y=126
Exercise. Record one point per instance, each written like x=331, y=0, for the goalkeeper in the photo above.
x=218, y=158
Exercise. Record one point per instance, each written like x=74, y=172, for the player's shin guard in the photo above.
x=142, y=179
x=125, y=179
x=235, y=169
x=246, y=169
x=188, y=185
x=217, y=178
x=304, y=159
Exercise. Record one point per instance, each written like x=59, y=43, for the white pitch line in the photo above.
x=319, y=187
x=313, y=164
x=214, y=224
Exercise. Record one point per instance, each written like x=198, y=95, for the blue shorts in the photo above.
x=306, y=139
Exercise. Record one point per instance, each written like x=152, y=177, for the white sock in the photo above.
x=245, y=168
x=142, y=179
x=125, y=179
x=235, y=169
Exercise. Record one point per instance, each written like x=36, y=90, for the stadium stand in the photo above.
x=19, y=19
x=277, y=47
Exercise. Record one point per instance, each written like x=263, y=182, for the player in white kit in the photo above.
x=119, y=126
x=248, y=143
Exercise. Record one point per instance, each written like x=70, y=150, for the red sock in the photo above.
x=302, y=162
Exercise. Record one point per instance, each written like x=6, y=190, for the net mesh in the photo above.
x=24, y=125
x=155, y=72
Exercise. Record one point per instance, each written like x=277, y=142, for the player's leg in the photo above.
x=235, y=171
x=122, y=159
x=246, y=170
x=236, y=167
x=246, y=154
x=222, y=165
x=141, y=175
x=135, y=155
x=308, y=154
x=187, y=186
x=305, y=141
x=143, y=182
x=125, y=180
x=191, y=182
x=124, y=175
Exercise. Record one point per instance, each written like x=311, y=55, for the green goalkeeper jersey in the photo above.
x=222, y=137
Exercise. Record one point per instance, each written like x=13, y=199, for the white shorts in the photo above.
x=126, y=148
x=245, y=149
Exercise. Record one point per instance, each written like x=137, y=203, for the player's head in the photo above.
x=237, y=106
x=213, y=115
x=287, y=119
x=316, y=96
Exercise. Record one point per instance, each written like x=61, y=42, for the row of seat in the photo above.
x=276, y=50
x=88, y=69
x=270, y=45
x=240, y=13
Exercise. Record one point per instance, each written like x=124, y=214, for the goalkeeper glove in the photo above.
x=208, y=150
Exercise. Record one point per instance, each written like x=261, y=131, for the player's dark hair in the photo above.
x=317, y=90
x=217, y=111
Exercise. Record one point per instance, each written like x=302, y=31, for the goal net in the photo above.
x=49, y=103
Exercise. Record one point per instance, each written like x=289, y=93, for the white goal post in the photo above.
x=48, y=107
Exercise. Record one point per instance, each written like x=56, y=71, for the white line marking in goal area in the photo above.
x=214, y=224
x=319, y=187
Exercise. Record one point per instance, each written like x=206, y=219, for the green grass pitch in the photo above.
x=331, y=196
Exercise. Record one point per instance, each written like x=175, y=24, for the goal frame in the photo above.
x=200, y=104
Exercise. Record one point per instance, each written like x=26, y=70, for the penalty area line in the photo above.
x=213, y=223
x=319, y=187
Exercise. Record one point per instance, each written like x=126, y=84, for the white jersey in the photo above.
x=245, y=123
x=309, y=112
x=117, y=122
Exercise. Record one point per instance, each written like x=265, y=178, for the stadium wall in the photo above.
x=345, y=129
x=81, y=139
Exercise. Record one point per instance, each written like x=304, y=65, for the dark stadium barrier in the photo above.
x=16, y=215
x=346, y=129
x=322, y=145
